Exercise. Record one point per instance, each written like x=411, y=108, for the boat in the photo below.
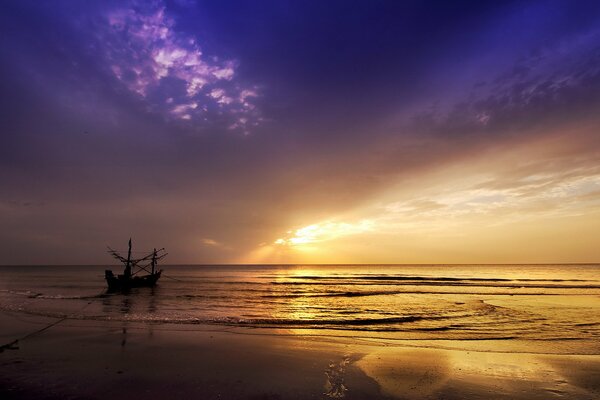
x=130, y=279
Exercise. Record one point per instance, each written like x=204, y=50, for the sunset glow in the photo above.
x=249, y=141
x=300, y=199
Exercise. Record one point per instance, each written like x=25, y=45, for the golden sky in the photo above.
x=535, y=202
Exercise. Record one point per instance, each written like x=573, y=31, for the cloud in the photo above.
x=546, y=85
x=210, y=242
x=501, y=189
x=167, y=69
x=335, y=146
x=514, y=190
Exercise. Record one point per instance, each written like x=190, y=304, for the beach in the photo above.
x=303, y=332
x=101, y=359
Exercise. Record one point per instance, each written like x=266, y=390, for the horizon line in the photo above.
x=300, y=264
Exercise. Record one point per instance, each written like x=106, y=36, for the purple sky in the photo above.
x=234, y=131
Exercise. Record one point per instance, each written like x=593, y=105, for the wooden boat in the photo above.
x=130, y=279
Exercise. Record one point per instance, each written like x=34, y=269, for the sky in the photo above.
x=300, y=131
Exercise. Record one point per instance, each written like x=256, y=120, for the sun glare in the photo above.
x=324, y=231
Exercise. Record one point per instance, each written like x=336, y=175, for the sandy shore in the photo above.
x=121, y=360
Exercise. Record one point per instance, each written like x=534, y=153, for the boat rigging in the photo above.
x=131, y=278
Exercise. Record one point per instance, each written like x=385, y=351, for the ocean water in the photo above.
x=547, y=304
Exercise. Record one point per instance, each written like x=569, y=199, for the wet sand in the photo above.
x=98, y=360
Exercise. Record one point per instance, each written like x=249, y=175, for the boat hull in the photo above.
x=121, y=283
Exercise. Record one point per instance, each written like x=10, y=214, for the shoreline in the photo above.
x=497, y=344
x=100, y=359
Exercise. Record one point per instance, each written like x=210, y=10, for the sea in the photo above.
x=555, y=306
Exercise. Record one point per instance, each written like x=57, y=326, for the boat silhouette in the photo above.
x=130, y=279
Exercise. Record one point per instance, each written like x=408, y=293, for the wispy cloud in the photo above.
x=210, y=242
x=551, y=187
x=168, y=70
x=498, y=195
x=544, y=85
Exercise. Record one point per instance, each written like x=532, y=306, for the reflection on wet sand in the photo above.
x=434, y=373
x=582, y=372
x=406, y=373
x=137, y=300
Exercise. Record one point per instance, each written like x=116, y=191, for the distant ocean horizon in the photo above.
x=300, y=264
x=554, y=305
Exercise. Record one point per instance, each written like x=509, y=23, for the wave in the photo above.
x=588, y=324
x=395, y=292
x=428, y=278
x=330, y=294
x=203, y=296
x=286, y=295
x=458, y=283
x=267, y=322
x=38, y=295
x=346, y=322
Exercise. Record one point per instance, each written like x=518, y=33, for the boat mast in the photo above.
x=153, y=261
x=128, y=265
